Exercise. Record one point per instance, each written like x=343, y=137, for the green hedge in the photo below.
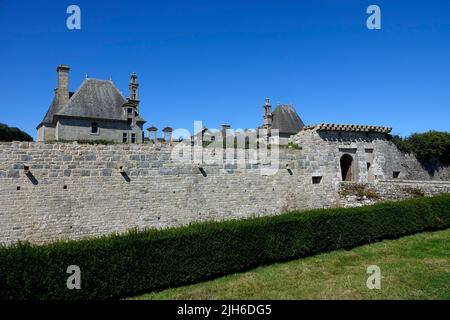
x=123, y=265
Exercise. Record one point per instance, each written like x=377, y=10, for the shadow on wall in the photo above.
x=32, y=178
x=437, y=168
x=125, y=176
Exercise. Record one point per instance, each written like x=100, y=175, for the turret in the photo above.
x=134, y=91
x=268, y=117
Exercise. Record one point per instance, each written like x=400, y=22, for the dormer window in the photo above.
x=129, y=121
x=129, y=110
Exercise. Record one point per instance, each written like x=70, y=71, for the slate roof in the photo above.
x=48, y=118
x=286, y=120
x=95, y=99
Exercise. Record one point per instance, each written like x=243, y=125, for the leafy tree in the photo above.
x=13, y=134
x=426, y=146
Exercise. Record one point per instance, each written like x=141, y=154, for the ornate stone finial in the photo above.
x=267, y=103
x=133, y=78
x=87, y=76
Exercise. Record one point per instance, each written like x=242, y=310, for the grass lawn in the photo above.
x=413, y=267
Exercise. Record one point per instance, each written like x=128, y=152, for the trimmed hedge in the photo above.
x=123, y=265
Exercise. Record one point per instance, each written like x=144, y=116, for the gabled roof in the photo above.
x=286, y=120
x=94, y=99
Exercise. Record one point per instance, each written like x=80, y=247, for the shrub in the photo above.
x=415, y=192
x=291, y=145
x=123, y=265
x=13, y=134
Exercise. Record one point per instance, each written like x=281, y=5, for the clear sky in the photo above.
x=217, y=61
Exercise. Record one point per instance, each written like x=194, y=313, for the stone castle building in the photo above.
x=284, y=119
x=96, y=111
x=53, y=191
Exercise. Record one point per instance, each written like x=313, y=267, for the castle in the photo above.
x=51, y=191
x=96, y=111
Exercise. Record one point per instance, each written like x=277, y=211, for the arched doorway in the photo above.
x=346, y=167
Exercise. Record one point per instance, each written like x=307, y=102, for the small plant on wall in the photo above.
x=359, y=190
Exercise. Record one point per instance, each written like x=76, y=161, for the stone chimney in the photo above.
x=225, y=128
x=63, y=84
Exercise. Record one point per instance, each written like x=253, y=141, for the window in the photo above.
x=395, y=174
x=130, y=110
x=316, y=179
x=129, y=121
x=94, y=127
x=213, y=138
x=125, y=137
x=368, y=166
x=133, y=138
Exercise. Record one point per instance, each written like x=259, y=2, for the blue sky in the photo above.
x=217, y=61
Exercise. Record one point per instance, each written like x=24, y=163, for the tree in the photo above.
x=430, y=145
x=13, y=134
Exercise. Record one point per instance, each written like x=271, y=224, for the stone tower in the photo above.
x=268, y=117
x=134, y=91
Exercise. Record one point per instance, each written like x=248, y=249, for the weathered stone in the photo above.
x=106, y=172
x=99, y=200
x=13, y=174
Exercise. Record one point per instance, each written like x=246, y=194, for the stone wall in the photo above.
x=74, y=191
x=357, y=194
x=67, y=128
x=374, y=157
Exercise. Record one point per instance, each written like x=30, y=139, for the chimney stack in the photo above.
x=63, y=84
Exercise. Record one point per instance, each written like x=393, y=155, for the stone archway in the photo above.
x=346, y=167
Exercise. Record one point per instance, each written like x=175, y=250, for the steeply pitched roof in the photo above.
x=95, y=99
x=98, y=99
x=286, y=120
x=53, y=109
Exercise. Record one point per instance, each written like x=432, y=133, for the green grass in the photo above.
x=413, y=267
